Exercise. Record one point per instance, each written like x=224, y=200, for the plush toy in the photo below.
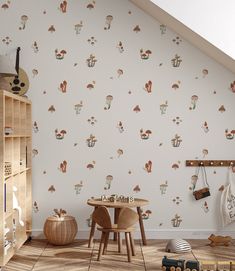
x=16, y=205
x=217, y=240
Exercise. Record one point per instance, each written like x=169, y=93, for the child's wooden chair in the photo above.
x=127, y=218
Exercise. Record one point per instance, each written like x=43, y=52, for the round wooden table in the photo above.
x=137, y=203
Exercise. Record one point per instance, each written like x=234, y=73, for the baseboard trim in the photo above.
x=154, y=234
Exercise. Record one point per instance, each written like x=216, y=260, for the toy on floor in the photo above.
x=217, y=240
x=182, y=265
x=178, y=246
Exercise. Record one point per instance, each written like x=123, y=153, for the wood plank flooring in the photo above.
x=38, y=255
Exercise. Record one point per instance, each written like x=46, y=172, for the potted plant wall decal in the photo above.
x=78, y=28
x=91, y=141
x=229, y=135
x=78, y=187
x=176, y=141
x=60, y=135
x=163, y=108
x=176, y=221
x=91, y=61
x=163, y=29
x=176, y=61
x=78, y=107
x=163, y=187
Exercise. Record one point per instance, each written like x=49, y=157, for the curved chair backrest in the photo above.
x=102, y=218
x=127, y=218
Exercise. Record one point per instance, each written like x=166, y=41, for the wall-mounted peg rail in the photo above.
x=210, y=163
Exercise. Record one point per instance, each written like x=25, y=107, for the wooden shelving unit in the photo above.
x=15, y=172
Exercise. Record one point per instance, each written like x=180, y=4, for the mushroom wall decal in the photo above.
x=24, y=19
x=194, y=100
x=108, y=22
x=144, y=54
x=136, y=189
x=148, y=86
x=232, y=86
x=60, y=54
x=51, y=109
x=51, y=189
x=51, y=29
x=109, y=179
x=148, y=166
x=136, y=109
x=91, y=61
x=5, y=6
x=136, y=29
x=120, y=47
x=222, y=109
x=63, y=6
x=108, y=102
x=60, y=135
x=91, y=5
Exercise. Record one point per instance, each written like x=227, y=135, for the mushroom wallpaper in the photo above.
x=119, y=103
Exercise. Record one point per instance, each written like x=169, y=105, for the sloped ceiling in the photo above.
x=185, y=32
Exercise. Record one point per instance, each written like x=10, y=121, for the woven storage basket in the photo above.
x=60, y=230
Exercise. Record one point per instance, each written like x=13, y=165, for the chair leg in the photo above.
x=132, y=244
x=119, y=243
x=106, y=240
x=128, y=247
x=101, y=245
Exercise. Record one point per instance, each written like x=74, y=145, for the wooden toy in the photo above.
x=217, y=240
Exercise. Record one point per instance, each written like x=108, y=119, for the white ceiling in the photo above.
x=214, y=20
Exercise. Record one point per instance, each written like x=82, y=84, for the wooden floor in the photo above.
x=38, y=255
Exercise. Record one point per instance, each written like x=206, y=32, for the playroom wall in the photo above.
x=110, y=128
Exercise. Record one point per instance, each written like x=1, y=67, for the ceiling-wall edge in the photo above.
x=185, y=32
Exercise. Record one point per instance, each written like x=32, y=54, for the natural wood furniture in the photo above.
x=138, y=203
x=217, y=240
x=60, y=230
x=127, y=218
x=15, y=173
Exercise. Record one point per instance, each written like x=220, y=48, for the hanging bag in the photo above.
x=227, y=202
x=205, y=191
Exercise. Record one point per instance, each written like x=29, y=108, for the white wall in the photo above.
x=213, y=20
x=128, y=90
